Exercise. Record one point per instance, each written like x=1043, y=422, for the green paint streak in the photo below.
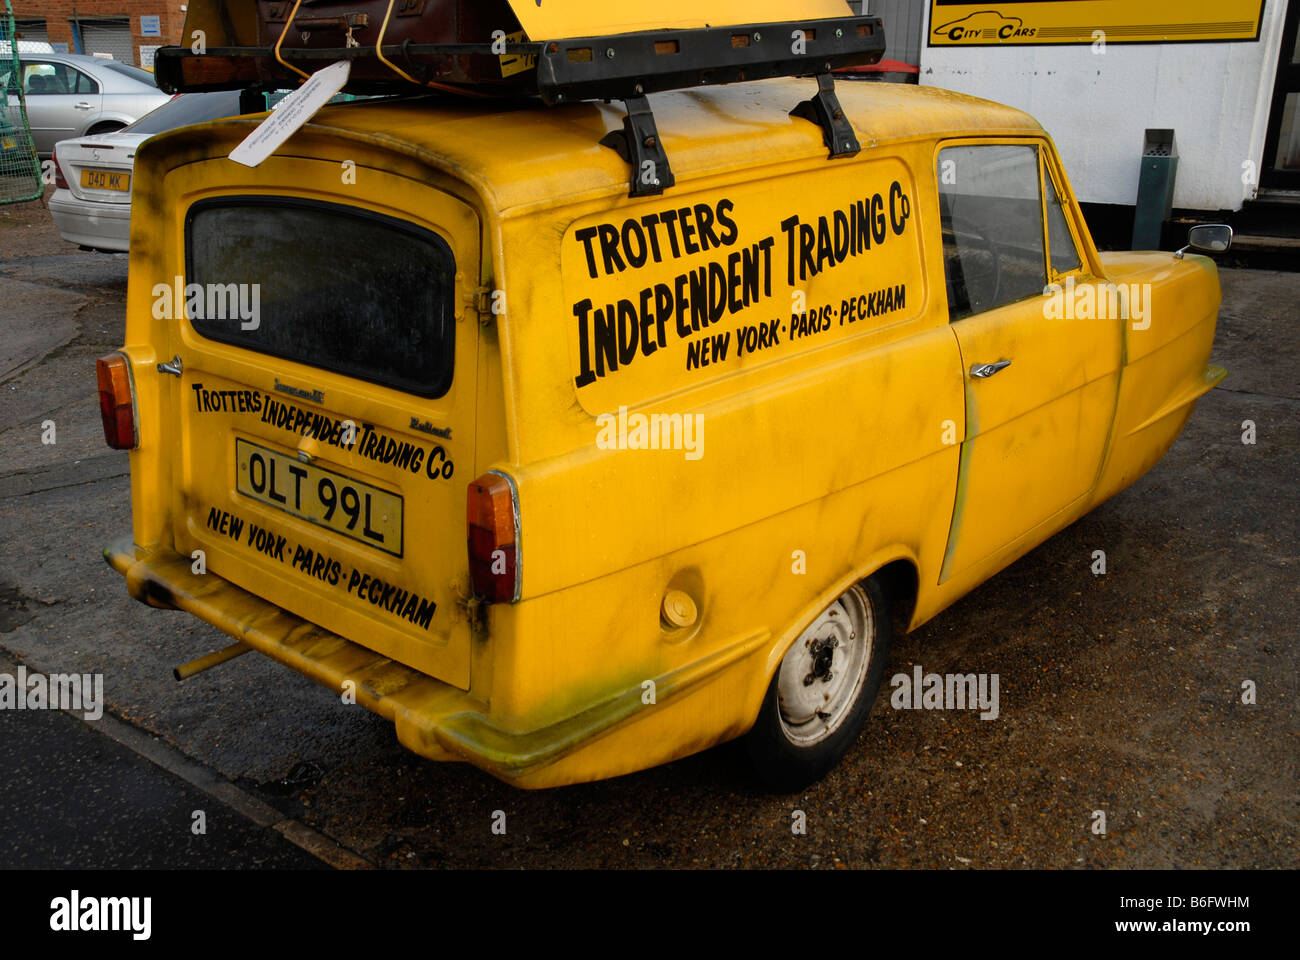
x=963, y=481
x=1106, y=449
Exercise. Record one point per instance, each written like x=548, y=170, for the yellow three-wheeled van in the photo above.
x=570, y=465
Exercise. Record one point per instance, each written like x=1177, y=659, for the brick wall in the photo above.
x=58, y=15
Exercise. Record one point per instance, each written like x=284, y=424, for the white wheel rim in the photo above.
x=822, y=674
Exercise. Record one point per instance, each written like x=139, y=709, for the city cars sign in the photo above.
x=961, y=24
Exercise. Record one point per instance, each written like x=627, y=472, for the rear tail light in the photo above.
x=117, y=401
x=60, y=181
x=493, y=513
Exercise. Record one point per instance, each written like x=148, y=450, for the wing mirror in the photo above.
x=1207, y=238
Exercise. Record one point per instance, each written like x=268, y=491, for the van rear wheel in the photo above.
x=820, y=696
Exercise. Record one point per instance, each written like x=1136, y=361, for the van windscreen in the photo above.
x=335, y=287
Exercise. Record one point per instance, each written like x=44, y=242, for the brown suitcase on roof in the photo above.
x=331, y=24
x=319, y=24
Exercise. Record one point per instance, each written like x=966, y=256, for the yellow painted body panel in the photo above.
x=598, y=18
x=1046, y=392
x=826, y=456
x=1167, y=363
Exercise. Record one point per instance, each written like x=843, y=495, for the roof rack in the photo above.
x=617, y=66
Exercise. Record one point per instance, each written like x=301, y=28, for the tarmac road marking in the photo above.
x=213, y=784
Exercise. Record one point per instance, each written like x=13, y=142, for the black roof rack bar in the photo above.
x=612, y=67
x=639, y=145
x=625, y=66
x=633, y=64
x=824, y=110
x=446, y=60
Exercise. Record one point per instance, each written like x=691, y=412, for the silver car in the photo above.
x=72, y=96
x=91, y=204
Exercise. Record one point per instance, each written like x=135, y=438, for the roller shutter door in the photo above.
x=32, y=30
x=904, y=24
x=109, y=36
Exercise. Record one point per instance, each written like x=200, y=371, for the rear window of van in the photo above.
x=334, y=287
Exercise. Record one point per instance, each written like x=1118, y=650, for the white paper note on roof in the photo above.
x=291, y=113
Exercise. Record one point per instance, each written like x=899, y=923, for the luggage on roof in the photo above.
x=561, y=52
x=574, y=51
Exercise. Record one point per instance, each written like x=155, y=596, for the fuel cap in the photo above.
x=678, y=609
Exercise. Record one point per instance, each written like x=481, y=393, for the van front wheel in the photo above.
x=823, y=690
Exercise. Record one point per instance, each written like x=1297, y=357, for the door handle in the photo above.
x=985, y=370
x=82, y=106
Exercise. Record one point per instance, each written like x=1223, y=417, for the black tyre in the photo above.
x=822, y=692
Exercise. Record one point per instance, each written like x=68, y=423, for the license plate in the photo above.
x=106, y=180
x=323, y=497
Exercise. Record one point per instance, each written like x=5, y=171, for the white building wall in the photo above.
x=1097, y=106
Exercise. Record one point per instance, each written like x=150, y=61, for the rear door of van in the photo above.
x=324, y=408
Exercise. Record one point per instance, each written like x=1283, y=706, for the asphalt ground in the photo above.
x=1118, y=693
x=75, y=798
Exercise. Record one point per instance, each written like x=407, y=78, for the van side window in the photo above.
x=991, y=215
x=1064, y=255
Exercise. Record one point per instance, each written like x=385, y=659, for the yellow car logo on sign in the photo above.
x=320, y=496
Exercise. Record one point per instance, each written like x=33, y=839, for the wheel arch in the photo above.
x=103, y=118
x=896, y=568
x=901, y=580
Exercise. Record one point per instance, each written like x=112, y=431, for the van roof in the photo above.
x=523, y=156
